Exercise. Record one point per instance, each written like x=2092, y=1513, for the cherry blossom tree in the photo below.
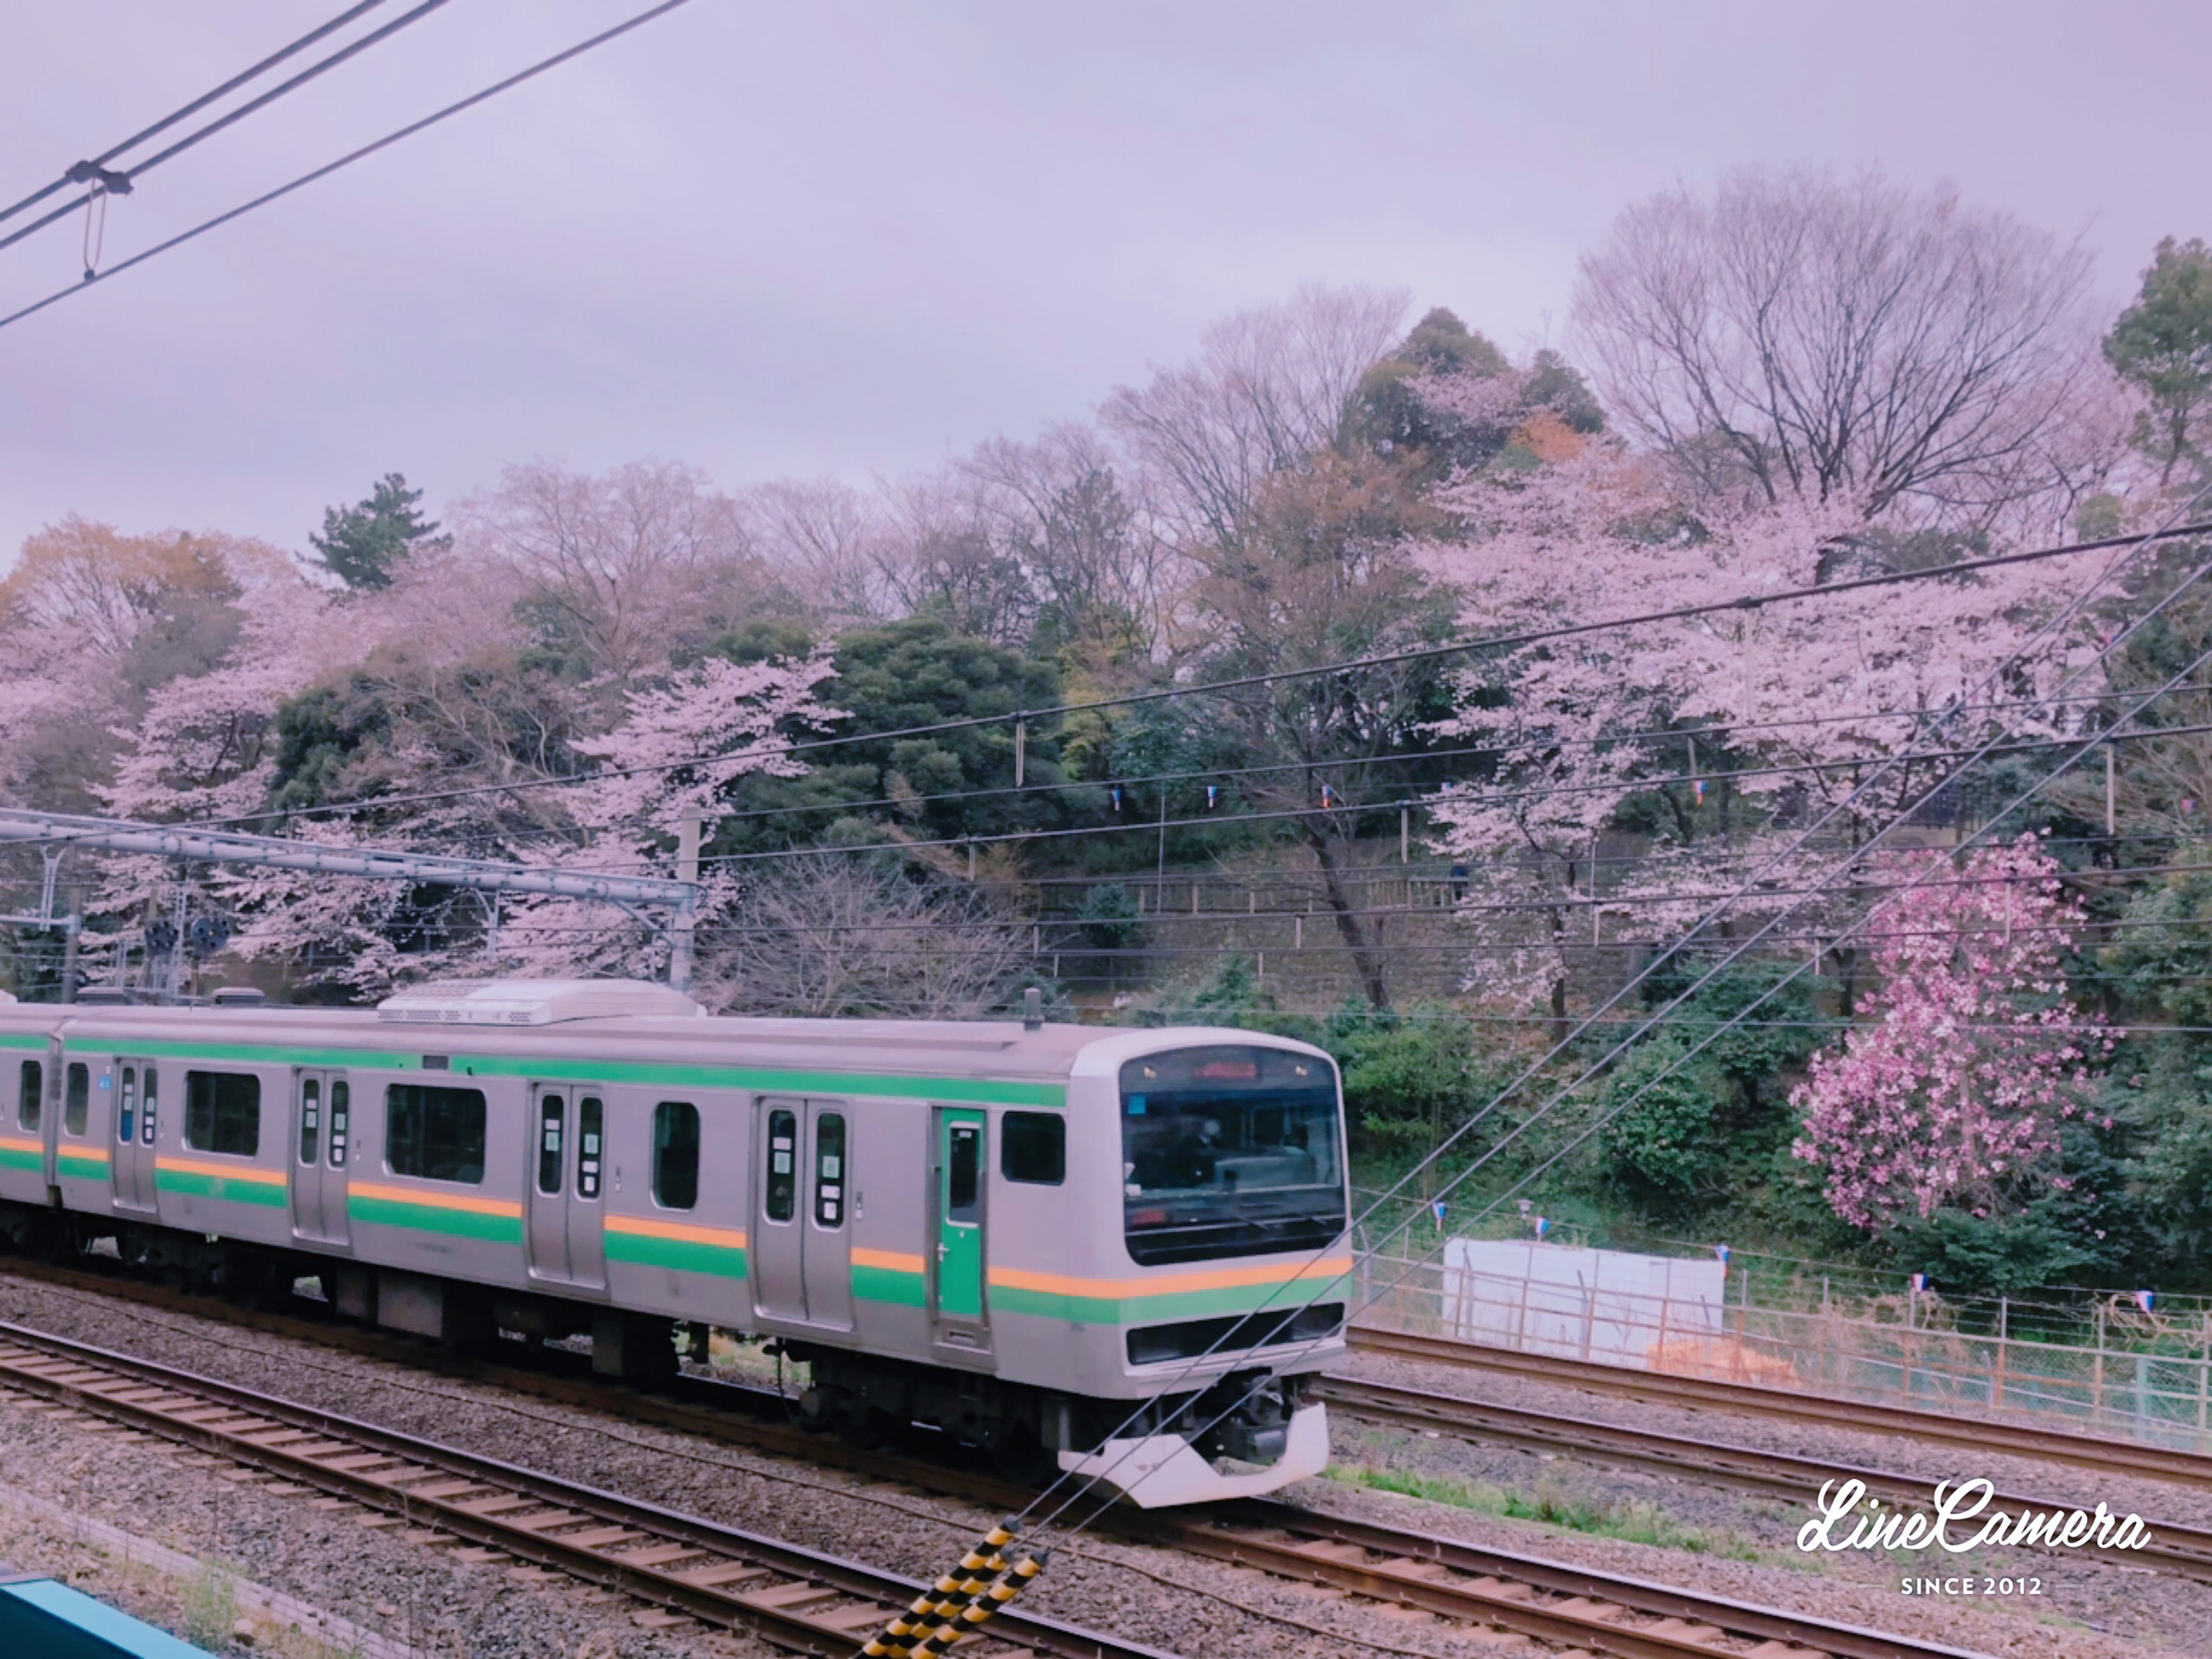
x=680, y=747
x=1954, y=1091
x=1726, y=732
x=621, y=569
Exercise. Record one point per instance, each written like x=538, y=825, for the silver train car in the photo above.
x=1016, y=1233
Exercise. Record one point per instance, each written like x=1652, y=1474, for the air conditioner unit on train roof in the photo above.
x=532, y=1002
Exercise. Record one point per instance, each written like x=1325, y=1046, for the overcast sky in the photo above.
x=858, y=238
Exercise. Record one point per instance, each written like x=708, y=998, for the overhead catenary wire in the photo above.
x=347, y=160
x=1429, y=798
x=1657, y=736
x=105, y=183
x=195, y=106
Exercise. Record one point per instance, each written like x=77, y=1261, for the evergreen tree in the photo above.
x=2163, y=345
x=363, y=545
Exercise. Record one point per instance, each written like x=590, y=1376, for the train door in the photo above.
x=956, y=1287
x=136, y=1117
x=588, y=1236
x=549, y=1183
x=799, y=1252
x=568, y=1129
x=829, y=1258
x=322, y=1126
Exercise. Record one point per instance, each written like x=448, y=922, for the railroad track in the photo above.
x=1581, y=1610
x=1578, y=1609
x=2014, y=1440
x=2185, y=1550
x=796, y=1598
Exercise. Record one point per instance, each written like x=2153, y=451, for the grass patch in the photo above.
x=210, y=1599
x=1632, y=1523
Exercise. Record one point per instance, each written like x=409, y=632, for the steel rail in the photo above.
x=2012, y=1440
x=797, y=1598
x=1493, y=1588
x=2185, y=1550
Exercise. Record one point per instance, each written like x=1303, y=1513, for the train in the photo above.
x=1121, y=1254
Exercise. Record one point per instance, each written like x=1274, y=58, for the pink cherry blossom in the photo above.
x=1950, y=1092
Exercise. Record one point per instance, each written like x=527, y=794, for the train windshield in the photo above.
x=1230, y=1151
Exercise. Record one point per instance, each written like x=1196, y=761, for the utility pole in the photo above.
x=687, y=917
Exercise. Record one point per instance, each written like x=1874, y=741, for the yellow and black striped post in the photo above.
x=947, y=1599
x=994, y=1597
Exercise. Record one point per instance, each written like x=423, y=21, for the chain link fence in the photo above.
x=2142, y=1378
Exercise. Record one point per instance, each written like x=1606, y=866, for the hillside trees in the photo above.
x=94, y=620
x=1818, y=337
x=1296, y=529
x=619, y=572
x=1270, y=386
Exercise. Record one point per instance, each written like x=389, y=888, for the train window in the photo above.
x=590, y=1127
x=126, y=1115
x=148, y=1104
x=551, y=1110
x=1033, y=1146
x=778, y=1197
x=31, y=1099
x=341, y=1111
x=310, y=1120
x=964, y=1186
x=829, y=1170
x=435, y=1134
x=676, y=1155
x=222, y=1112
x=78, y=1104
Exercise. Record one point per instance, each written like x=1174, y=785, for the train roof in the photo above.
x=563, y=1021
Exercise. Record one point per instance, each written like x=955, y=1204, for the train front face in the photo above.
x=1233, y=1212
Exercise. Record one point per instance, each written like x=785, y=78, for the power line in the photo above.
x=1432, y=800
x=190, y=109
x=347, y=160
x=1513, y=641
x=1656, y=736
x=122, y=183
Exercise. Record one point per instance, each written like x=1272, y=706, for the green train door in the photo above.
x=958, y=1283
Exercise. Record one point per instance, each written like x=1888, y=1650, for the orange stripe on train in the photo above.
x=227, y=1172
x=433, y=1200
x=895, y=1261
x=1167, y=1283
x=644, y=1226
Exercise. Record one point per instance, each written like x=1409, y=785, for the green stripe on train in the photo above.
x=1167, y=1306
x=466, y=1224
x=79, y=1167
x=192, y=1184
x=641, y=1250
x=894, y=1285
x=12, y=1159
x=984, y=1092
x=22, y=1039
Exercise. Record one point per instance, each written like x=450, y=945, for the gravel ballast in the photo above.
x=1169, y=1601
